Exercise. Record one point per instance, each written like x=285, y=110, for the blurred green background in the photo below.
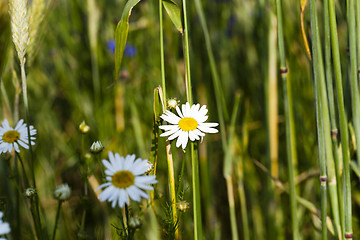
x=73, y=47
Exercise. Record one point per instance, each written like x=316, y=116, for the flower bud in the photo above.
x=62, y=192
x=134, y=223
x=96, y=147
x=84, y=128
x=30, y=192
x=172, y=103
x=183, y=206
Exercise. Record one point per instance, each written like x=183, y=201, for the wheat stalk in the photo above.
x=37, y=13
x=19, y=26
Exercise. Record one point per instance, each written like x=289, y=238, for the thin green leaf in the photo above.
x=121, y=34
x=355, y=167
x=173, y=10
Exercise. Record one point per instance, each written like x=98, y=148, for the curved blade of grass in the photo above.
x=354, y=166
x=121, y=33
x=228, y=169
x=174, y=12
x=219, y=94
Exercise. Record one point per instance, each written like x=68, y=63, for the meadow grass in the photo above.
x=101, y=77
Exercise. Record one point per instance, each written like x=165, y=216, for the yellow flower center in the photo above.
x=188, y=124
x=11, y=136
x=123, y=179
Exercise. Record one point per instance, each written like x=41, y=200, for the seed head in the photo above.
x=183, y=206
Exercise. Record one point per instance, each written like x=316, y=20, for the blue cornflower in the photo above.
x=111, y=46
x=130, y=50
x=230, y=26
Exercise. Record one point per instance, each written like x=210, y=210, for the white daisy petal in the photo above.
x=194, y=109
x=129, y=161
x=207, y=129
x=107, y=164
x=185, y=140
x=146, y=179
x=19, y=124
x=170, y=132
x=133, y=193
x=109, y=172
x=141, y=193
x=209, y=124
x=167, y=127
x=16, y=146
x=23, y=144
x=182, y=140
x=192, y=136
x=201, y=119
x=102, y=186
x=111, y=157
x=104, y=195
x=170, y=117
x=5, y=124
x=199, y=133
x=138, y=163
x=179, y=112
x=9, y=148
x=123, y=198
x=175, y=135
x=203, y=110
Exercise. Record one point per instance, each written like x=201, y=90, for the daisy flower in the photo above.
x=125, y=179
x=4, y=227
x=11, y=138
x=190, y=124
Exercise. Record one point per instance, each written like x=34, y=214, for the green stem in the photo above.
x=57, y=219
x=196, y=193
x=34, y=208
x=231, y=198
x=187, y=57
x=228, y=169
x=5, y=96
x=340, y=102
x=358, y=38
x=170, y=164
x=198, y=235
x=356, y=115
x=334, y=180
x=169, y=157
x=289, y=122
x=219, y=95
x=27, y=118
x=244, y=214
x=322, y=114
x=162, y=52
